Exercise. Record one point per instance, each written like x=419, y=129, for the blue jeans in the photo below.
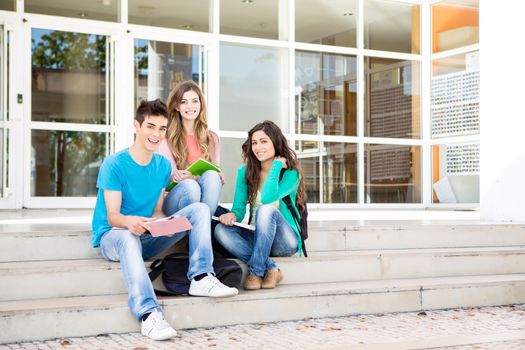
x=272, y=237
x=206, y=189
x=132, y=250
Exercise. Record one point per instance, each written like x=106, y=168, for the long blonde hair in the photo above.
x=176, y=135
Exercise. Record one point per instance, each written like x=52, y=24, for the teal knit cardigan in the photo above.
x=271, y=191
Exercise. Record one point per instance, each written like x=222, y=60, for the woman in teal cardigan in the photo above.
x=259, y=183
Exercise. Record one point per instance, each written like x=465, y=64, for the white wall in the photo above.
x=502, y=111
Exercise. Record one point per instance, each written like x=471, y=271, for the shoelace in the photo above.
x=216, y=282
x=158, y=320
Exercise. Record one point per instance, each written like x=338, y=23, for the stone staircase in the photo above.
x=53, y=284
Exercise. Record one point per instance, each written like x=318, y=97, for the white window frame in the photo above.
x=70, y=25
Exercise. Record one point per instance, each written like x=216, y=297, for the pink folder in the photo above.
x=168, y=226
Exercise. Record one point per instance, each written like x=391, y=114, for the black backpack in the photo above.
x=174, y=268
x=302, y=222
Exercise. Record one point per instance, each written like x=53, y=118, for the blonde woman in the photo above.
x=188, y=139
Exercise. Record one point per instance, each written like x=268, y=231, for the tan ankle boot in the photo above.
x=252, y=282
x=272, y=278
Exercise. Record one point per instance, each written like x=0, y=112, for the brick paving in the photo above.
x=336, y=333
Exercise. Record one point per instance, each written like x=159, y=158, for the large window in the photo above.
x=392, y=174
x=177, y=14
x=343, y=79
x=325, y=94
x=69, y=96
x=253, y=86
x=159, y=66
x=335, y=24
x=392, y=26
x=392, y=95
x=103, y=10
x=455, y=24
x=259, y=19
x=4, y=131
x=329, y=171
x=455, y=85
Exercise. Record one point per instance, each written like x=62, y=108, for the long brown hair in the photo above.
x=253, y=165
x=176, y=136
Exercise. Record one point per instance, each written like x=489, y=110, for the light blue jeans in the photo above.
x=206, y=189
x=132, y=250
x=272, y=237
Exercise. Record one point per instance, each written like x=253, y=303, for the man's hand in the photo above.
x=137, y=224
x=228, y=219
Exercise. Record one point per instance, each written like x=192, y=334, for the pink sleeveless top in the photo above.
x=194, y=151
x=214, y=151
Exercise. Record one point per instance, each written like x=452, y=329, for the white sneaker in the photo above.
x=156, y=327
x=210, y=286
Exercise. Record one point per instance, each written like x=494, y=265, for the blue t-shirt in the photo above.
x=140, y=185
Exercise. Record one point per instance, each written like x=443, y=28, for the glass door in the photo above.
x=70, y=122
x=160, y=65
x=9, y=196
x=3, y=114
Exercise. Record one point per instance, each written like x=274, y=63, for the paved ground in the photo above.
x=462, y=329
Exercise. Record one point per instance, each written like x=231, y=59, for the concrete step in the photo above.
x=330, y=236
x=84, y=316
x=72, y=278
x=30, y=243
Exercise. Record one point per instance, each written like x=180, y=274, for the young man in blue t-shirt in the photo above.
x=130, y=194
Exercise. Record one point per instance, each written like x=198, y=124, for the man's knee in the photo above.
x=126, y=243
x=199, y=208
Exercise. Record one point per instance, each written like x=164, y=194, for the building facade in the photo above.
x=379, y=98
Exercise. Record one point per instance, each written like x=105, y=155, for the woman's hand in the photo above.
x=228, y=219
x=283, y=160
x=180, y=175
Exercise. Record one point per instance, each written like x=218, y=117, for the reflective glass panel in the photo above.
x=325, y=94
x=3, y=106
x=393, y=98
x=455, y=95
x=68, y=81
x=160, y=65
x=231, y=160
x=178, y=14
x=333, y=163
x=455, y=24
x=309, y=155
x=455, y=173
x=392, y=26
x=326, y=22
x=8, y=5
x=253, y=18
x=66, y=163
x=3, y=160
x=339, y=172
x=3, y=77
x=253, y=86
x=102, y=10
x=392, y=174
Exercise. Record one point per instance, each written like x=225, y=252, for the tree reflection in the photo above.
x=69, y=86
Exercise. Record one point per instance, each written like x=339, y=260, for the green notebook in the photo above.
x=197, y=168
x=200, y=166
